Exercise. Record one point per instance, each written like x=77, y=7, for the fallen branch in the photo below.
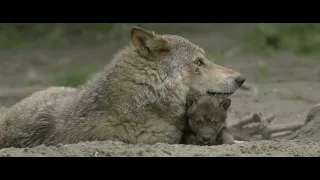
x=281, y=134
x=269, y=130
x=250, y=118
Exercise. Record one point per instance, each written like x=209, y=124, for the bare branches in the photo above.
x=255, y=124
x=269, y=130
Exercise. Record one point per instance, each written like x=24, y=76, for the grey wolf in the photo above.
x=139, y=97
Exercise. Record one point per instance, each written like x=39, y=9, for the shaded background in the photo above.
x=63, y=49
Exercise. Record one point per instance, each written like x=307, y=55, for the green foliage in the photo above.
x=303, y=38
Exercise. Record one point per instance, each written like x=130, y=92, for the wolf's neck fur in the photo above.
x=160, y=97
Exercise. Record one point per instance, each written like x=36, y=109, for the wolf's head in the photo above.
x=180, y=61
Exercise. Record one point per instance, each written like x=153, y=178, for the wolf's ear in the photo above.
x=225, y=104
x=146, y=42
x=191, y=99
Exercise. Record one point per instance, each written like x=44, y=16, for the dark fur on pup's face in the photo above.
x=206, y=117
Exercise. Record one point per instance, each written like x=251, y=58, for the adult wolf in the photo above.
x=138, y=98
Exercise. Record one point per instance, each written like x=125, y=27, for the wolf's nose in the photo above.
x=240, y=80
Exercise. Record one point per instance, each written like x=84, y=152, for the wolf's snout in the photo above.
x=240, y=79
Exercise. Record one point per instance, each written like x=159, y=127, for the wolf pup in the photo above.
x=206, y=121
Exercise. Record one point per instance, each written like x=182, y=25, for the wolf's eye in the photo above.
x=214, y=123
x=199, y=62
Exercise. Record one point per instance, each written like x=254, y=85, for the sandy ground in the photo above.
x=288, y=85
x=119, y=149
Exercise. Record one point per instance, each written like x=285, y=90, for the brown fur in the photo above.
x=138, y=98
x=206, y=121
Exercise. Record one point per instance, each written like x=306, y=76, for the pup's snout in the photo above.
x=206, y=138
x=240, y=79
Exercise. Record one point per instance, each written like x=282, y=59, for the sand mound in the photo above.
x=110, y=148
x=311, y=130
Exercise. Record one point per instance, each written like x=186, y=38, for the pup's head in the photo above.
x=206, y=117
x=180, y=62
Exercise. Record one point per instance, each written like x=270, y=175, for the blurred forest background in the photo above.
x=67, y=54
x=301, y=38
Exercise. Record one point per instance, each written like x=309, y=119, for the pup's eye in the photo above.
x=199, y=62
x=198, y=122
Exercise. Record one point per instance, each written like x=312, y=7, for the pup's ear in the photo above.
x=146, y=42
x=191, y=99
x=225, y=104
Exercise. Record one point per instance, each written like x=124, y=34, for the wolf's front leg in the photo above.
x=159, y=131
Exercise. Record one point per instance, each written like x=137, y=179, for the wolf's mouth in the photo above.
x=219, y=93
